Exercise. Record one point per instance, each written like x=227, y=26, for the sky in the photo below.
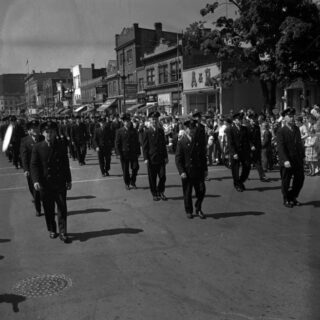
x=52, y=34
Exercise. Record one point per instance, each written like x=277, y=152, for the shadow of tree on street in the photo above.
x=167, y=187
x=316, y=204
x=1, y=257
x=224, y=215
x=13, y=299
x=92, y=210
x=81, y=197
x=4, y=240
x=82, y=237
x=194, y=197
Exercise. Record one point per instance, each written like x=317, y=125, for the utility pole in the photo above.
x=123, y=80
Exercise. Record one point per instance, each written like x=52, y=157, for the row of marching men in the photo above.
x=45, y=161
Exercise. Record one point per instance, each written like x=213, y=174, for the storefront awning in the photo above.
x=135, y=107
x=148, y=106
x=66, y=111
x=59, y=110
x=82, y=108
x=107, y=105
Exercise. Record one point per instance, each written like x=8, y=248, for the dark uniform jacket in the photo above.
x=154, y=146
x=17, y=134
x=255, y=140
x=50, y=165
x=103, y=137
x=290, y=147
x=26, y=146
x=79, y=133
x=191, y=158
x=127, y=143
x=239, y=141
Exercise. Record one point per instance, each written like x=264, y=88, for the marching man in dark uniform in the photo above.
x=128, y=148
x=79, y=138
x=155, y=156
x=239, y=149
x=27, y=144
x=191, y=162
x=291, y=158
x=103, y=143
x=50, y=173
x=256, y=147
x=17, y=135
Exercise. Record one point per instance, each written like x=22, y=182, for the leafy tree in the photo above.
x=277, y=41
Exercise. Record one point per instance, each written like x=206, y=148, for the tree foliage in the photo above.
x=277, y=41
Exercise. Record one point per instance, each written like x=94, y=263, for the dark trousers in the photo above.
x=81, y=150
x=200, y=190
x=134, y=165
x=297, y=176
x=239, y=179
x=35, y=194
x=72, y=150
x=256, y=161
x=49, y=199
x=16, y=160
x=154, y=171
x=104, y=156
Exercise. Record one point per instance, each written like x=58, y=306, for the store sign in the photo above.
x=164, y=99
x=201, y=78
x=131, y=91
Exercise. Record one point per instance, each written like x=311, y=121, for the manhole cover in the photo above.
x=42, y=285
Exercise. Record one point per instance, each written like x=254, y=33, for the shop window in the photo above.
x=141, y=84
x=129, y=56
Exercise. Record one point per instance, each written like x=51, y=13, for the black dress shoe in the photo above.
x=189, y=215
x=38, y=213
x=295, y=202
x=239, y=189
x=156, y=198
x=243, y=186
x=127, y=187
x=288, y=204
x=53, y=235
x=200, y=214
x=133, y=186
x=64, y=238
x=163, y=197
x=107, y=174
x=104, y=175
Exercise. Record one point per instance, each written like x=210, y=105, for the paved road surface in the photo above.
x=132, y=258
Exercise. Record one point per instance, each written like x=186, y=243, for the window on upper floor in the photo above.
x=129, y=56
x=141, y=84
x=150, y=77
x=121, y=59
x=175, y=71
x=163, y=73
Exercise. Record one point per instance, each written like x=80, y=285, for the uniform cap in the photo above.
x=288, y=112
x=48, y=125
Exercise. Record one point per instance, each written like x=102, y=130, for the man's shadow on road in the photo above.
x=92, y=210
x=262, y=189
x=85, y=236
x=4, y=240
x=316, y=204
x=81, y=197
x=219, y=178
x=193, y=197
x=14, y=299
x=224, y=215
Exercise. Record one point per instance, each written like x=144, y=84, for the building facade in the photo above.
x=12, y=93
x=159, y=80
x=131, y=45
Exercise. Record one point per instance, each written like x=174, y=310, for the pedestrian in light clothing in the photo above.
x=50, y=173
x=155, y=156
